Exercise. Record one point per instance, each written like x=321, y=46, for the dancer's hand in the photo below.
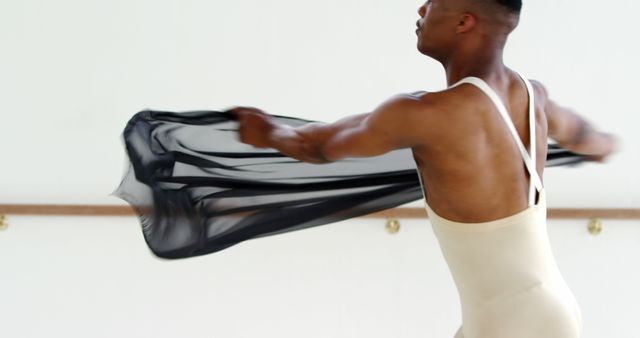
x=254, y=126
x=612, y=145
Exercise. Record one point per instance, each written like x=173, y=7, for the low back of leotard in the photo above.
x=505, y=272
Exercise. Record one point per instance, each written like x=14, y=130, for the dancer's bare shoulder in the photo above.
x=540, y=91
x=441, y=115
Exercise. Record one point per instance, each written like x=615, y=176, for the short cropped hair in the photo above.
x=514, y=6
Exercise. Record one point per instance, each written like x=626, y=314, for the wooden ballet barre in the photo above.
x=400, y=212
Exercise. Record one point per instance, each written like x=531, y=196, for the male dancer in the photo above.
x=484, y=192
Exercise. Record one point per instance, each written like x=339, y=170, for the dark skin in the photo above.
x=471, y=168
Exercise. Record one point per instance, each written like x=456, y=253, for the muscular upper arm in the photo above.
x=389, y=127
x=564, y=125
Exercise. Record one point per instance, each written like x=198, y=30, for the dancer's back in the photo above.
x=507, y=278
x=468, y=160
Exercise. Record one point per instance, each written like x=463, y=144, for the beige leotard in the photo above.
x=506, y=275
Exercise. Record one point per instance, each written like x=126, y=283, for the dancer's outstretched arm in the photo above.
x=389, y=127
x=573, y=132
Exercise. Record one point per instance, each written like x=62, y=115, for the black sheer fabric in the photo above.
x=197, y=189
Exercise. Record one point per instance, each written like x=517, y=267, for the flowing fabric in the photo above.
x=197, y=189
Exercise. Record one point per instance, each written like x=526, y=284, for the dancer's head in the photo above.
x=447, y=26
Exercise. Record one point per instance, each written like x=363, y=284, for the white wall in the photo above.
x=72, y=72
